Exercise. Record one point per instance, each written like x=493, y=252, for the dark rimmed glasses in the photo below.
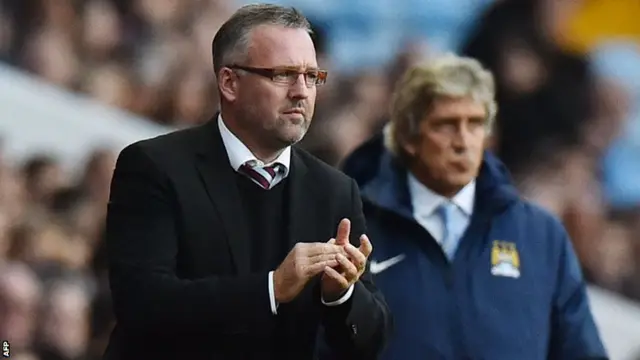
x=287, y=75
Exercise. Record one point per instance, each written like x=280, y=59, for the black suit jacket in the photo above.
x=178, y=250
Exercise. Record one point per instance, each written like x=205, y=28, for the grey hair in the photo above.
x=444, y=76
x=231, y=42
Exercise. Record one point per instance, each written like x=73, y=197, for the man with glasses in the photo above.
x=224, y=241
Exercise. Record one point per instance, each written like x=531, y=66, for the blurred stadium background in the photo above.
x=79, y=79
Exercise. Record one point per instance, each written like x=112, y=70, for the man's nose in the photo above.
x=299, y=89
x=461, y=139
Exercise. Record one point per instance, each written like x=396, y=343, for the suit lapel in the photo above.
x=302, y=203
x=219, y=180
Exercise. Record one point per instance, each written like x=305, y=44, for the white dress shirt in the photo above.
x=425, y=203
x=239, y=154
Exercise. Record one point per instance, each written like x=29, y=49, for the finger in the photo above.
x=357, y=258
x=365, y=246
x=349, y=269
x=320, y=258
x=318, y=267
x=330, y=272
x=313, y=249
x=344, y=230
x=339, y=249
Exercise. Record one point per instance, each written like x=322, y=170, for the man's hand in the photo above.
x=303, y=262
x=335, y=283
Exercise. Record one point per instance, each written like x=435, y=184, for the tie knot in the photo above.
x=262, y=175
x=446, y=210
x=272, y=169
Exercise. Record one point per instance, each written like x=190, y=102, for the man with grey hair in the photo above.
x=224, y=241
x=469, y=269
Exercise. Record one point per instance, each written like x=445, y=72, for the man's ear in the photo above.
x=228, y=84
x=491, y=141
x=410, y=147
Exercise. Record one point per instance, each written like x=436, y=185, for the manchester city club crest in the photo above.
x=505, y=260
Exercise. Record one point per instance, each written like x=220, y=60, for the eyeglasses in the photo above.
x=287, y=75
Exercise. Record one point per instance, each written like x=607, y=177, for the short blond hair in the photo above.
x=443, y=76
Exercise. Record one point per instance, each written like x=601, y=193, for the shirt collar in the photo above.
x=239, y=153
x=425, y=201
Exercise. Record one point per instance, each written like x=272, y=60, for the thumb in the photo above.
x=331, y=241
x=344, y=230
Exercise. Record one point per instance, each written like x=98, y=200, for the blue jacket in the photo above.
x=461, y=309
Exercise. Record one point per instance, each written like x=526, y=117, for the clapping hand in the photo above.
x=303, y=262
x=337, y=280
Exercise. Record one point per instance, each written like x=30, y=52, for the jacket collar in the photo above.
x=389, y=189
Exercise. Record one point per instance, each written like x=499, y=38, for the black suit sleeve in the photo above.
x=142, y=245
x=359, y=328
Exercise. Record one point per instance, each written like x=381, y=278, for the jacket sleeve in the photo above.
x=574, y=335
x=359, y=328
x=142, y=246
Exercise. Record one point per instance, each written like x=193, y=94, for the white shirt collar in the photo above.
x=425, y=201
x=239, y=153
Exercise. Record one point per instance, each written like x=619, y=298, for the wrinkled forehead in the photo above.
x=457, y=107
x=277, y=46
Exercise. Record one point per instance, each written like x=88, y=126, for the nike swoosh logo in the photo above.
x=377, y=267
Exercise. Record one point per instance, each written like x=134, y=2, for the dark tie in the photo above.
x=261, y=175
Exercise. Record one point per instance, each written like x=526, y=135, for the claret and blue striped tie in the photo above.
x=261, y=175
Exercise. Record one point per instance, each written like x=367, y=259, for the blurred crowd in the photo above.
x=557, y=119
x=54, y=296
